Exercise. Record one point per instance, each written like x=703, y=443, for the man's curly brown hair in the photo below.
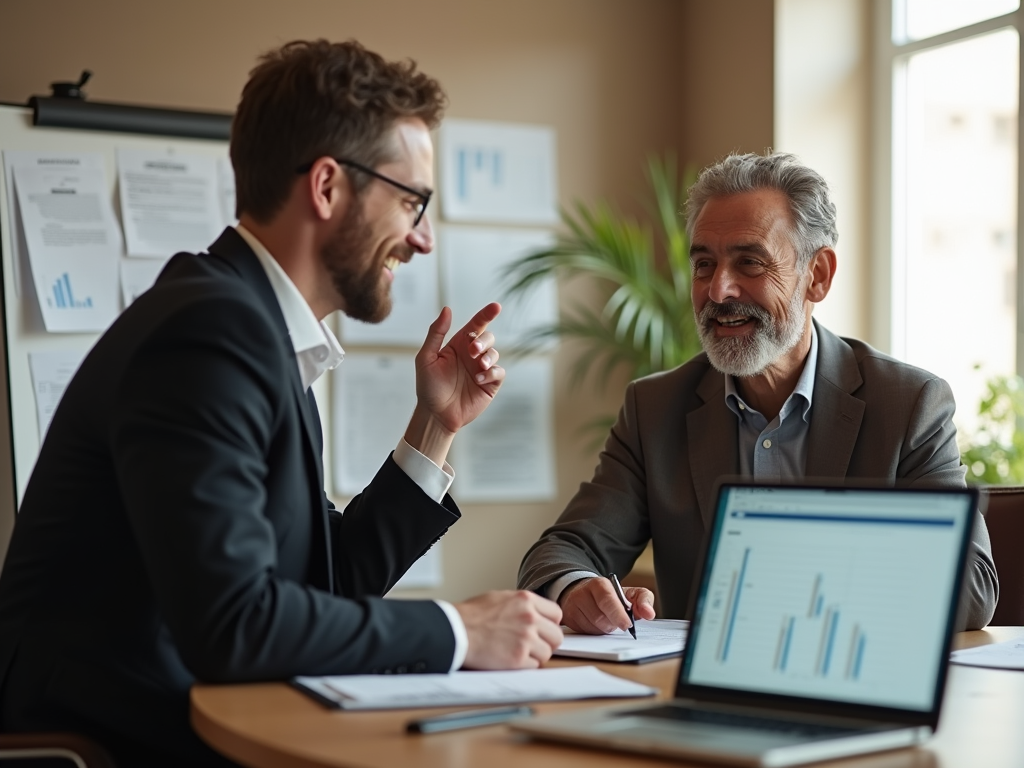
x=310, y=99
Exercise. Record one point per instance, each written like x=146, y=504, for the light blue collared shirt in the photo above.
x=776, y=451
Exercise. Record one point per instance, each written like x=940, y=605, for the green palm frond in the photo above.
x=646, y=323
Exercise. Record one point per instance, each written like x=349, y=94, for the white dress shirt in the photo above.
x=316, y=351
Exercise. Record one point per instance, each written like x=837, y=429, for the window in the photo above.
x=947, y=78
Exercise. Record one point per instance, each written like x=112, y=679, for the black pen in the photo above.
x=625, y=603
x=470, y=718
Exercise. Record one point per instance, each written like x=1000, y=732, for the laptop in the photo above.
x=822, y=625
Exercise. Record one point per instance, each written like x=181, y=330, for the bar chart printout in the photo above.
x=64, y=297
x=812, y=601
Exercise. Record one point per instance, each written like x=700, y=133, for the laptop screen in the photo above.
x=840, y=594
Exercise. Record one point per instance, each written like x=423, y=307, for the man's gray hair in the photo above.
x=814, y=213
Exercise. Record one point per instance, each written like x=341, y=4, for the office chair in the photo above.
x=1004, y=516
x=51, y=750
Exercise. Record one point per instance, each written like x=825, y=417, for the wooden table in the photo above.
x=273, y=726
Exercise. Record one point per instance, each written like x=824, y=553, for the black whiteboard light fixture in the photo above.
x=68, y=108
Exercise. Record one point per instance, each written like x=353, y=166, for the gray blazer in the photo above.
x=872, y=417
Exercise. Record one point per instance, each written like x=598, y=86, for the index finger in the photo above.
x=549, y=609
x=479, y=322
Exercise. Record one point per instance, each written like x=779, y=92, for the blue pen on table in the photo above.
x=627, y=606
x=470, y=718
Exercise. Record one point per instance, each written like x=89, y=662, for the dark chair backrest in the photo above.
x=1004, y=516
x=56, y=750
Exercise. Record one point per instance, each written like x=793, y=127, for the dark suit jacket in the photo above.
x=176, y=528
x=872, y=417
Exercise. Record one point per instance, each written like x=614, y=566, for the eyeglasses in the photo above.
x=420, y=208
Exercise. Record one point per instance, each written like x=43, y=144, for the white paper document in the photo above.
x=657, y=638
x=1006, y=655
x=226, y=191
x=507, y=453
x=170, y=202
x=472, y=261
x=415, y=305
x=498, y=172
x=51, y=373
x=50, y=160
x=373, y=397
x=138, y=276
x=73, y=245
x=457, y=688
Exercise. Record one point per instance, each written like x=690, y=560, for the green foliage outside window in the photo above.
x=994, y=452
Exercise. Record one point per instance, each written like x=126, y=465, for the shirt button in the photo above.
x=767, y=443
x=743, y=407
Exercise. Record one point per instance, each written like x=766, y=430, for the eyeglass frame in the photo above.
x=424, y=196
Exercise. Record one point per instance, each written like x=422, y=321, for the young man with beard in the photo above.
x=175, y=526
x=774, y=396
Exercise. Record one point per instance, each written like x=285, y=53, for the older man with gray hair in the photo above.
x=774, y=396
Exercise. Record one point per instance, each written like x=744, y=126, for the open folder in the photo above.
x=655, y=639
x=459, y=688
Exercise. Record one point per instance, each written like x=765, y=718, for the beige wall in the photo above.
x=616, y=78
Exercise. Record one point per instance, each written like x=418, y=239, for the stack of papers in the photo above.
x=656, y=639
x=458, y=688
x=1008, y=655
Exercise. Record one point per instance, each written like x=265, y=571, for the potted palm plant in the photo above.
x=646, y=323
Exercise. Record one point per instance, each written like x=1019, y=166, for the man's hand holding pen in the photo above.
x=593, y=606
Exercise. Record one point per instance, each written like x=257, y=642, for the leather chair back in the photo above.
x=1004, y=516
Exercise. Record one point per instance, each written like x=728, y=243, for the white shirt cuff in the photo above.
x=459, y=630
x=435, y=481
x=557, y=587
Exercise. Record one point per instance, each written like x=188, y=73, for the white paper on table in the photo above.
x=24, y=158
x=654, y=638
x=73, y=245
x=138, y=276
x=226, y=191
x=441, y=690
x=51, y=373
x=1005, y=655
x=472, y=261
x=426, y=572
x=498, y=172
x=415, y=305
x=169, y=201
x=373, y=397
x=507, y=453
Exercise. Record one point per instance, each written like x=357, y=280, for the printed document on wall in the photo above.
x=373, y=398
x=51, y=373
x=73, y=245
x=498, y=172
x=415, y=305
x=138, y=276
x=507, y=453
x=170, y=202
x=19, y=157
x=472, y=262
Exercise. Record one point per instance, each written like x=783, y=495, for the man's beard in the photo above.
x=360, y=284
x=750, y=355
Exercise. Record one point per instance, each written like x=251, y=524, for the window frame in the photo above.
x=888, y=279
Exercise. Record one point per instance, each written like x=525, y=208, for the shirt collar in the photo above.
x=316, y=348
x=804, y=385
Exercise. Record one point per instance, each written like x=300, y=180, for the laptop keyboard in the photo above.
x=787, y=727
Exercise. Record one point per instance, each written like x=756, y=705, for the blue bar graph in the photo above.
x=735, y=604
x=485, y=162
x=831, y=641
x=64, y=297
x=860, y=656
x=785, y=648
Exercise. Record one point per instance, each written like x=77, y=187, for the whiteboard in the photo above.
x=22, y=320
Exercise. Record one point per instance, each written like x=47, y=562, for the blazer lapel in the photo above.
x=713, y=443
x=232, y=248
x=836, y=415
